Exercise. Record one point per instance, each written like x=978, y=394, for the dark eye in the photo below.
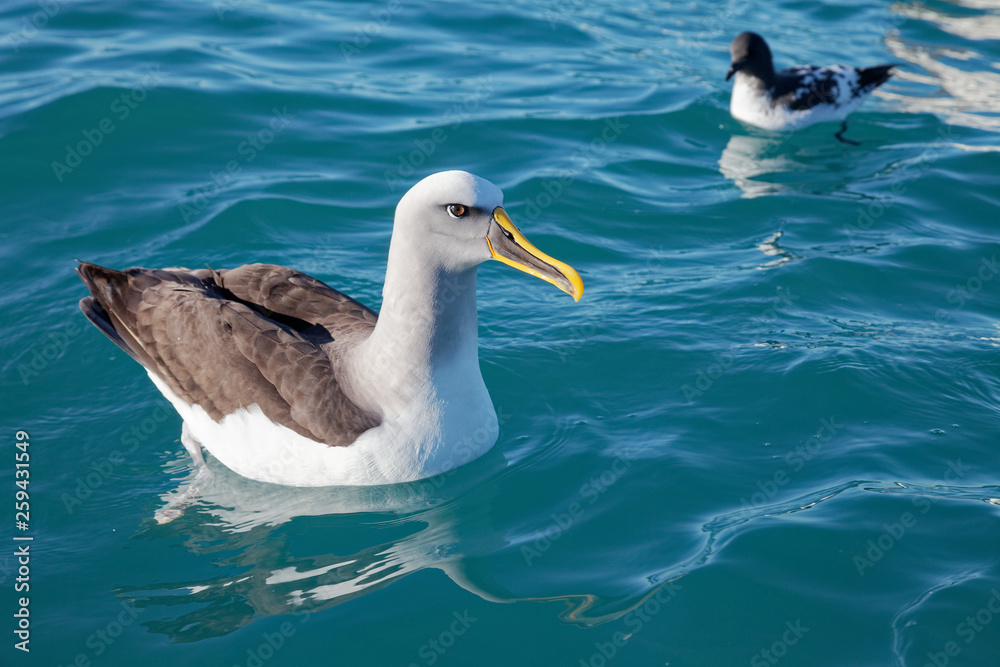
x=457, y=210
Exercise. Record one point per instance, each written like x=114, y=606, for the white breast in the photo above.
x=416, y=445
x=751, y=104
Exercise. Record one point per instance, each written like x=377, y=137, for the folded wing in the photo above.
x=226, y=340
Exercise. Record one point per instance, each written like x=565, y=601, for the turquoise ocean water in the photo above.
x=767, y=434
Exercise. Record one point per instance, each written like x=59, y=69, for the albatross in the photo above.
x=286, y=380
x=798, y=96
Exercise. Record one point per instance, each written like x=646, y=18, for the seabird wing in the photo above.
x=302, y=374
x=285, y=291
x=801, y=88
x=804, y=87
x=215, y=350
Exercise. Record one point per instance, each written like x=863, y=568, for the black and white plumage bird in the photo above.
x=798, y=96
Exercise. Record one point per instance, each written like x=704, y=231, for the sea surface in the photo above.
x=769, y=433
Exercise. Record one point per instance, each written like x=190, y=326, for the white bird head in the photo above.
x=456, y=220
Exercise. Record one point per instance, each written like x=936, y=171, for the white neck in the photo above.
x=426, y=338
x=419, y=370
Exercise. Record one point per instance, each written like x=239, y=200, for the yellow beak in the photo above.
x=508, y=245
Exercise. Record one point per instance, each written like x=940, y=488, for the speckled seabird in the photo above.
x=796, y=97
x=286, y=380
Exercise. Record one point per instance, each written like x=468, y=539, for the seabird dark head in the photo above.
x=750, y=53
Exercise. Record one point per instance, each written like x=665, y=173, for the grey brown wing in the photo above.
x=219, y=353
x=280, y=290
